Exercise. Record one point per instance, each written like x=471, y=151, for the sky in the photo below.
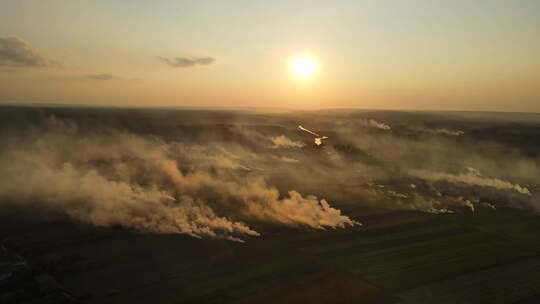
x=413, y=55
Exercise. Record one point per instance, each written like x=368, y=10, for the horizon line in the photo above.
x=255, y=108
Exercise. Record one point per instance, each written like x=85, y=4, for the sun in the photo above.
x=303, y=66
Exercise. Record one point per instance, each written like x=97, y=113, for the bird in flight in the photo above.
x=318, y=138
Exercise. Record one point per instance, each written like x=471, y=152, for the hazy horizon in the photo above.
x=249, y=108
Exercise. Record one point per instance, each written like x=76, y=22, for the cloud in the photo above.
x=187, y=62
x=15, y=52
x=103, y=76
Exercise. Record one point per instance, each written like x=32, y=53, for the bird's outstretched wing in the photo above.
x=306, y=130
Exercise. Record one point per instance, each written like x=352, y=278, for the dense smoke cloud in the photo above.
x=118, y=178
x=222, y=174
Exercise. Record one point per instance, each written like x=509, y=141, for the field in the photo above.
x=418, y=258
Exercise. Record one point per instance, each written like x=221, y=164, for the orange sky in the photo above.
x=427, y=55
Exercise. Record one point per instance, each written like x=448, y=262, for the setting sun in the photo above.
x=303, y=66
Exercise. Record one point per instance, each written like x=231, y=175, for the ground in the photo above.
x=408, y=257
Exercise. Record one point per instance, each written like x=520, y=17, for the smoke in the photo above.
x=375, y=124
x=283, y=141
x=285, y=159
x=469, y=178
x=367, y=123
x=372, y=123
x=296, y=210
x=232, y=174
x=440, y=131
x=445, y=131
x=116, y=178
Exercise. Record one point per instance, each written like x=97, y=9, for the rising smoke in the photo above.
x=283, y=141
x=118, y=178
x=221, y=175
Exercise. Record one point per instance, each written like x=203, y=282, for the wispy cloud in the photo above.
x=187, y=62
x=104, y=76
x=15, y=52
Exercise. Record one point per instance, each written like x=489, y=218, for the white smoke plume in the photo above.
x=375, y=124
x=283, y=141
x=113, y=178
x=445, y=131
x=370, y=123
x=441, y=131
x=469, y=178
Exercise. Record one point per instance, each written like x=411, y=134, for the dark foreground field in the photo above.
x=195, y=206
x=397, y=257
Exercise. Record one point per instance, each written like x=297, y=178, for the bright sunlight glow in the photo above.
x=303, y=66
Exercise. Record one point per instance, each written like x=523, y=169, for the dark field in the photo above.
x=434, y=230
x=491, y=257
